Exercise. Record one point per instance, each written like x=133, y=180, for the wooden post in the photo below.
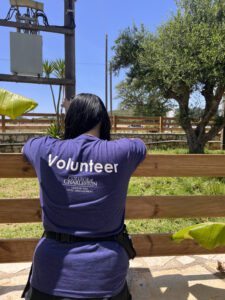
x=222, y=133
x=114, y=123
x=106, y=72
x=69, y=19
x=222, y=139
x=3, y=123
x=160, y=125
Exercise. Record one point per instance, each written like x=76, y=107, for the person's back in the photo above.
x=83, y=189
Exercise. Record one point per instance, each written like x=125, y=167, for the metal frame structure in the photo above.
x=69, y=44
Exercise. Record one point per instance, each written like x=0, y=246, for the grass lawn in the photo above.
x=24, y=188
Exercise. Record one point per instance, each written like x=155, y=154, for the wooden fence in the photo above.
x=28, y=123
x=41, y=121
x=137, y=207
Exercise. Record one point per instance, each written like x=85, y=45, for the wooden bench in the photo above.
x=137, y=207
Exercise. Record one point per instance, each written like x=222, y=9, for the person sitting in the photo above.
x=83, y=181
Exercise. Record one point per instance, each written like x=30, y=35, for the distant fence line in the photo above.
x=41, y=121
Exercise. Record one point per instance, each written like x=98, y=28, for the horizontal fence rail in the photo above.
x=35, y=121
x=154, y=165
x=22, y=250
x=137, y=207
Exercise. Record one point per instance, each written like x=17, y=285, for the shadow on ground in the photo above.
x=146, y=285
x=143, y=286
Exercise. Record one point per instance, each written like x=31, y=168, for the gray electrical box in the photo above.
x=26, y=54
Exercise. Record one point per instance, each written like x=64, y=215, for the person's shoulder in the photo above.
x=129, y=151
x=37, y=142
x=130, y=142
x=130, y=147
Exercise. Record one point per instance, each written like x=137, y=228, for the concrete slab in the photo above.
x=149, y=278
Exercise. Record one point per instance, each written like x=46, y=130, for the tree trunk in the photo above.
x=195, y=145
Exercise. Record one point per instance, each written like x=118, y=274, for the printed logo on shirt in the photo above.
x=89, y=167
x=80, y=184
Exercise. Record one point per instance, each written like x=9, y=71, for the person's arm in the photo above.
x=132, y=151
x=32, y=148
x=138, y=151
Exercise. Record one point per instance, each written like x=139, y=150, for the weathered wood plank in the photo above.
x=20, y=122
x=155, y=165
x=15, y=166
x=40, y=115
x=53, y=29
x=155, y=129
x=162, y=245
x=20, y=210
x=3, y=123
x=37, y=80
x=182, y=165
x=27, y=3
x=21, y=250
x=156, y=207
x=20, y=127
x=137, y=207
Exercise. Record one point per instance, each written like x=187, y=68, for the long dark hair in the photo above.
x=84, y=113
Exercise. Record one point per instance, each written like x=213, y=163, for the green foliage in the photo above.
x=186, y=55
x=209, y=235
x=144, y=103
x=57, y=68
x=188, y=50
x=133, y=93
x=127, y=49
x=48, y=68
x=55, y=131
x=14, y=105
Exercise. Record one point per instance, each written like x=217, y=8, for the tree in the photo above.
x=185, y=55
x=143, y=103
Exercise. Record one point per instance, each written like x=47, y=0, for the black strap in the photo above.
x=28, y=283
x=122, y=238
x=68, y=238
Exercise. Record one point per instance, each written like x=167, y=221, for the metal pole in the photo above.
x=69, y=22
x=111, y=90
x=106, y=72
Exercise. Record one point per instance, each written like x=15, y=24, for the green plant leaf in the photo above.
x=209, y=235
x=13, y=105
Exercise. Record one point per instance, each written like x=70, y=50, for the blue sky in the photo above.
x=94, y=18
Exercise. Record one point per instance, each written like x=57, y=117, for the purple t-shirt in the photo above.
x=83, y=187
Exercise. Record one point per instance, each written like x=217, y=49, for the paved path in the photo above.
x=149, y=278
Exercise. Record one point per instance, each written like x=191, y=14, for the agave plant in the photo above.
x=59, y=72
x=48, y=68
x=56, y=68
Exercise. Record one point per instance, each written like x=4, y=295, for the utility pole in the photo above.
x=106, y=72
x=111, y=90
x=69, y=22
